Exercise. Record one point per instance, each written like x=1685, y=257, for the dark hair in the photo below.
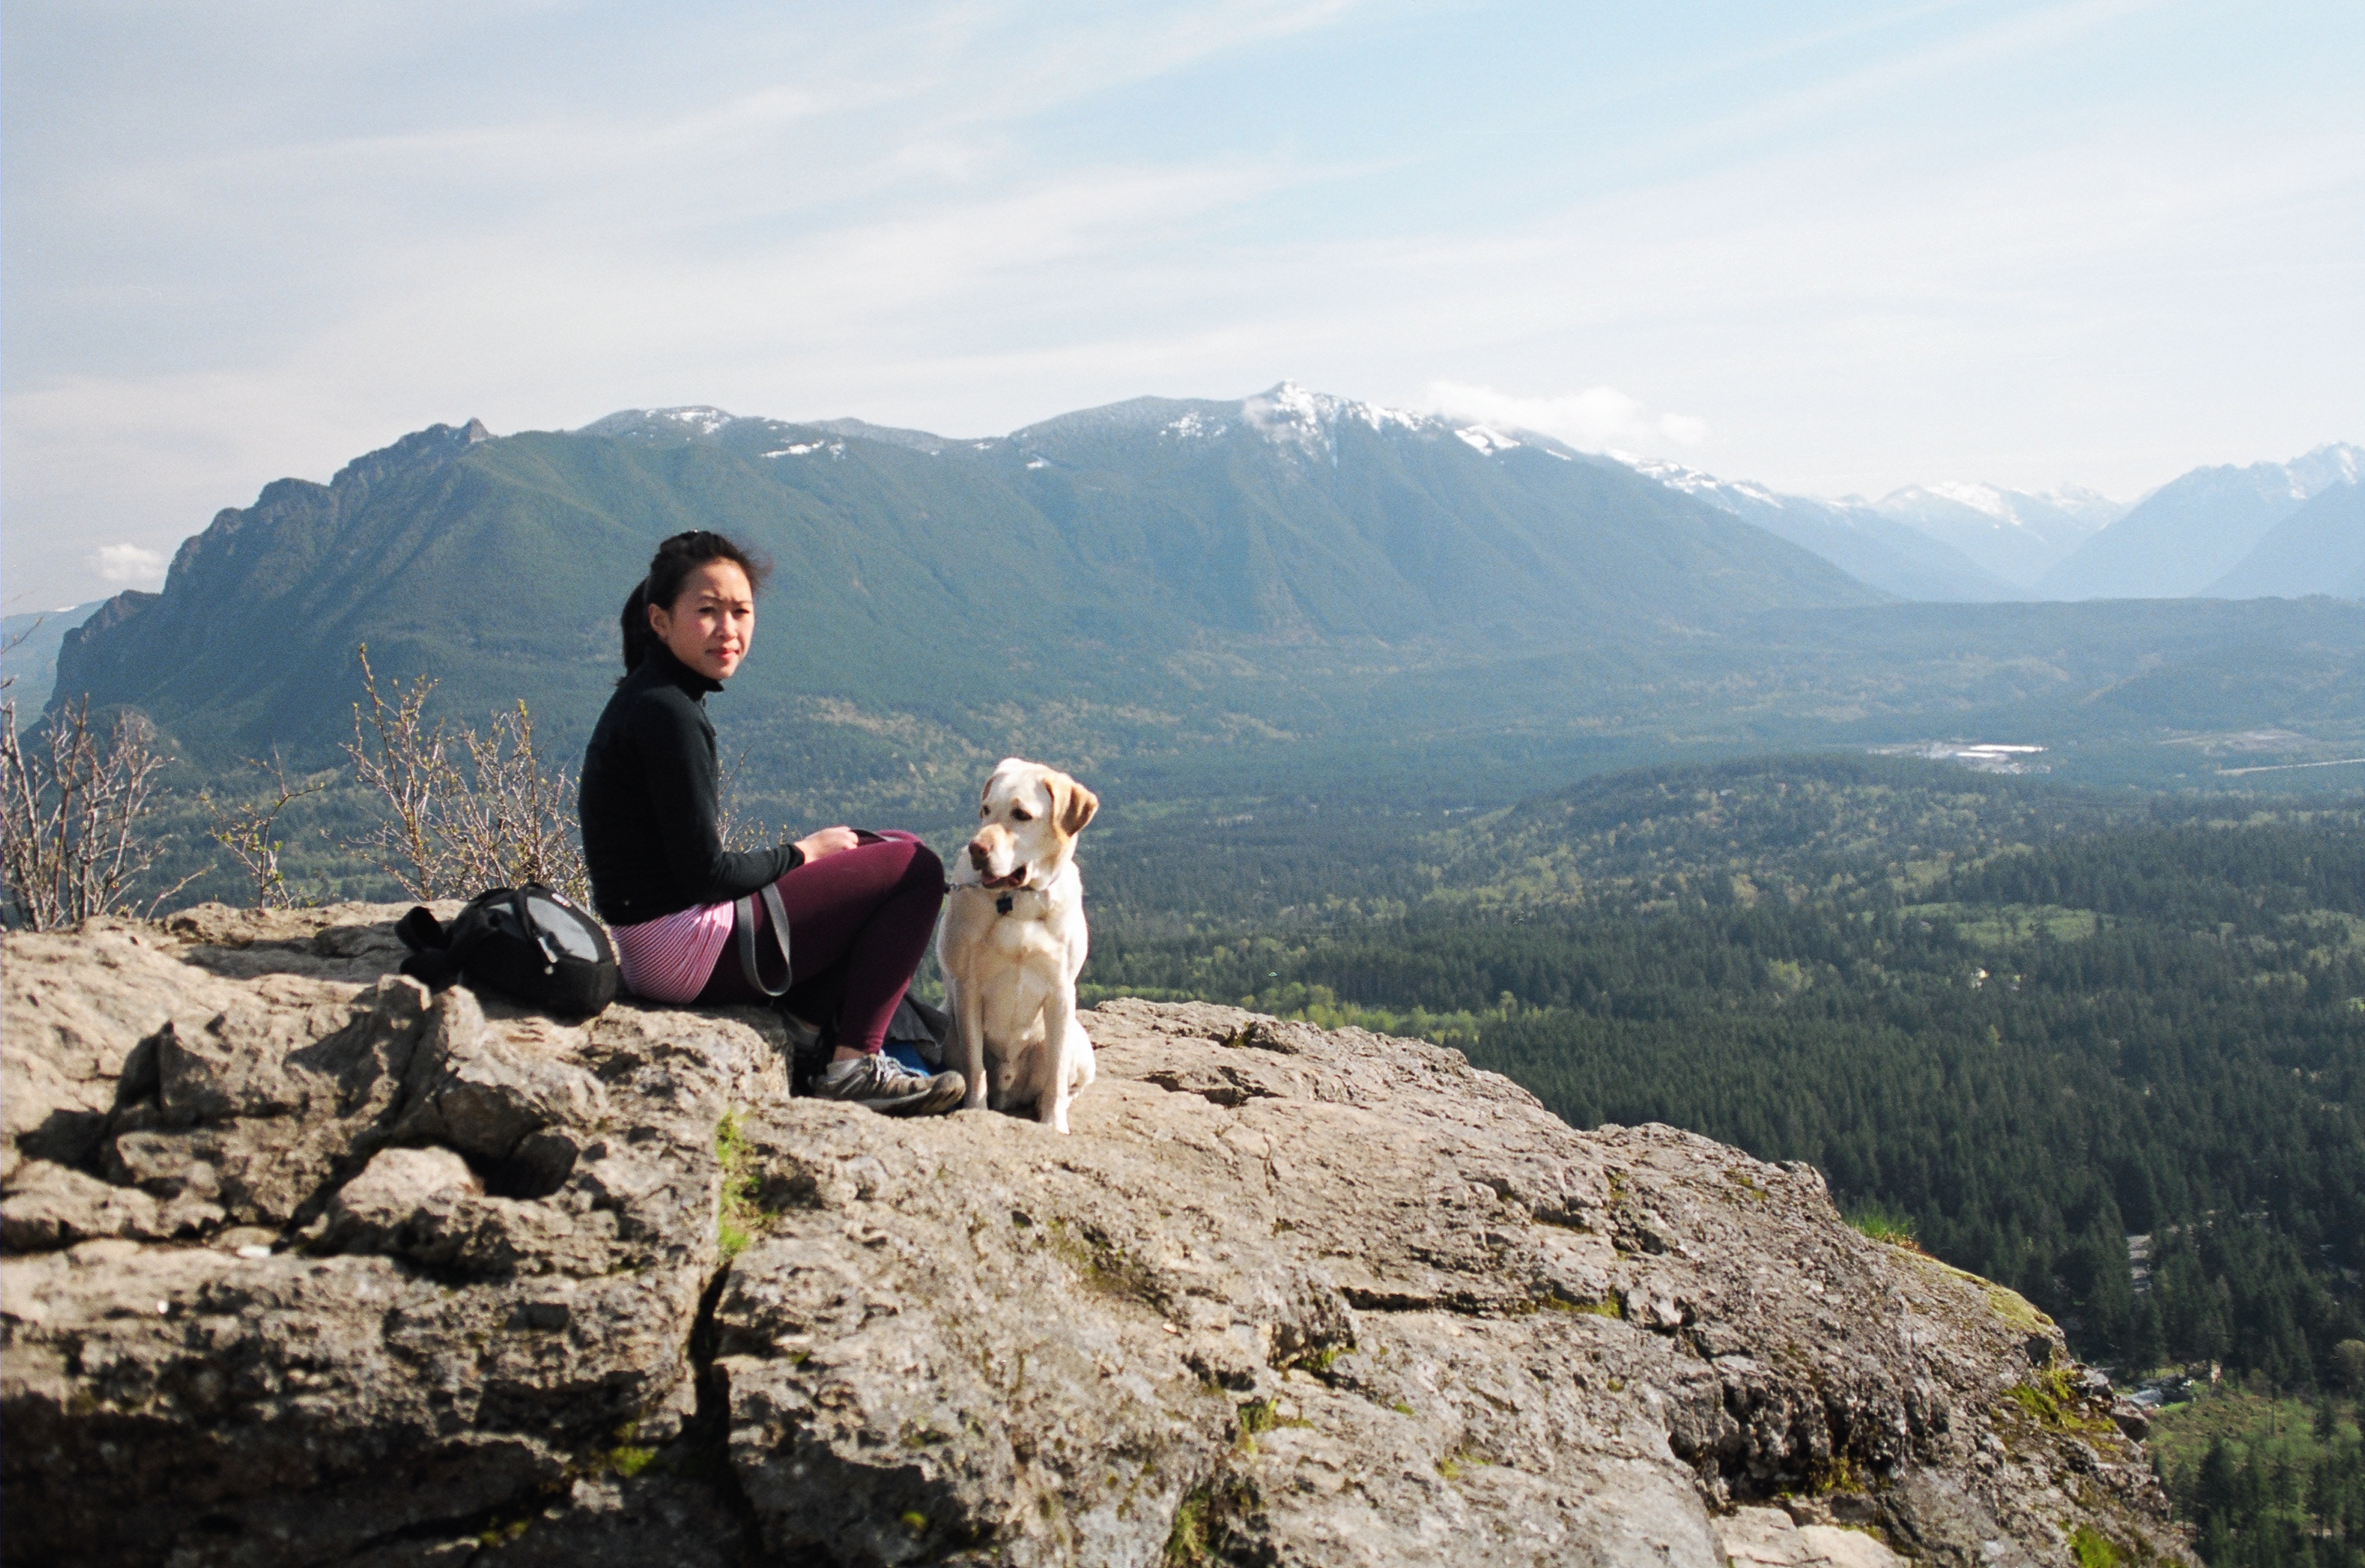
x=668, y=569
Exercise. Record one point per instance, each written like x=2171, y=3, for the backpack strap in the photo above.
x=421, y=932
x=433, y=968
x=743, y=921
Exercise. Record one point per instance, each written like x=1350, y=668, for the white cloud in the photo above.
x=1596, y=418
x=129, y=564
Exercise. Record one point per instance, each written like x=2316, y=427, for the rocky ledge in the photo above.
x=307, y=1266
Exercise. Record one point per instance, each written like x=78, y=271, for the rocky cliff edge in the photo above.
x=305, y=1265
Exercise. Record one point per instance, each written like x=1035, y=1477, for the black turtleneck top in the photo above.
x=650, y=799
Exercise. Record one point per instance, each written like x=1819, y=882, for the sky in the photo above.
x=1835, y=248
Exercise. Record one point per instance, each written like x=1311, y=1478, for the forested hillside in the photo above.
x=1067, y=564
x=2020, y=1021
x=1202, y=602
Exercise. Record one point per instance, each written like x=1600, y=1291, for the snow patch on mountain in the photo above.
x=1489, y=442
x=1191, y=427
x=705, y=421
x=2070, y=513
x=1735, y=496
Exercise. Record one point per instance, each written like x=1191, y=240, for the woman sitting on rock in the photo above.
x=859, y=907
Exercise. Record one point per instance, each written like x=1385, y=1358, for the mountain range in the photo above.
x=2196, y=529
x=1090, y=552
x=1288, y=591
x=2014, y=534
x=1977, y=543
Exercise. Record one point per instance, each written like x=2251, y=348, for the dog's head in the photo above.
x=1028, y=817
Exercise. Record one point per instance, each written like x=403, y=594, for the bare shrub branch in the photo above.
x=738, y=829
x=72, y=807
x=248, y=829
x=501, y=821
x=510, y=822
x=408, y=771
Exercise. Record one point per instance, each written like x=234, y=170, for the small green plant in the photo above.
x=735, y=1153
x=1451, y=1465
x=501, y=1535
x=627, y=1460
x=1187, y=1541
x=1262, y=1416
x=1836, y=1474
x=2092, y=1550
x=915, y=1521
x=2049, y=1397
x=1883, y=1223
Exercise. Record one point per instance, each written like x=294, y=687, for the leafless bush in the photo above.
x=452, y=830
x=73, y=800
x=248, y=831
x=510, y=822
x=407, y=770
x=738, y=829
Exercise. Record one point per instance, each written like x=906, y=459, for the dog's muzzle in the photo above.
x=979, y=857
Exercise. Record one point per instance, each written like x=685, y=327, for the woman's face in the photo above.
x=710, y=621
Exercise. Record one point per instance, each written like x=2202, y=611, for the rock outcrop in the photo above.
x=307, y=1266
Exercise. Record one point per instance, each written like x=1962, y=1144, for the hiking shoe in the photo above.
x=890, y=1088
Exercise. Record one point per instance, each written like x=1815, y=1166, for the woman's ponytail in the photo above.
x=668, y=569
x=635, y=624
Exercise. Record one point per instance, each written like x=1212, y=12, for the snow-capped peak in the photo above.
x=1290, y=415
x=2335, y=463
x=705, y=421
x=2056, y=517
x=1978, y=498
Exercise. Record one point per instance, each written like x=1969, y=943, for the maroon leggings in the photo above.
x=859, y=922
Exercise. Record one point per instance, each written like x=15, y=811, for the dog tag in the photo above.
x=1002, y=904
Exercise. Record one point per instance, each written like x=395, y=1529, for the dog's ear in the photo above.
x=1076, y=805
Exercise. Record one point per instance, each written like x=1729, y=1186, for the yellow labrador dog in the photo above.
x=1013, y=943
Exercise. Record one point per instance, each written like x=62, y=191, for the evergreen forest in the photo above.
x=2105, y=1048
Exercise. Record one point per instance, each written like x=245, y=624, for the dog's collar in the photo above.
x=1005, y=900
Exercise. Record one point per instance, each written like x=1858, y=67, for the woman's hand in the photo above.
x=828, y=841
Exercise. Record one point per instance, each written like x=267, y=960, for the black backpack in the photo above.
x=529, y=943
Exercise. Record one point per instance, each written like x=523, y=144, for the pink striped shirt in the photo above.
x=670, y=958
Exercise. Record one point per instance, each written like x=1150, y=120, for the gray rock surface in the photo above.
x=306, y=1266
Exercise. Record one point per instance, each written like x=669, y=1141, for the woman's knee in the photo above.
x=924, y=869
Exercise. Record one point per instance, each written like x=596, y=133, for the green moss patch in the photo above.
x=2092, y=1549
